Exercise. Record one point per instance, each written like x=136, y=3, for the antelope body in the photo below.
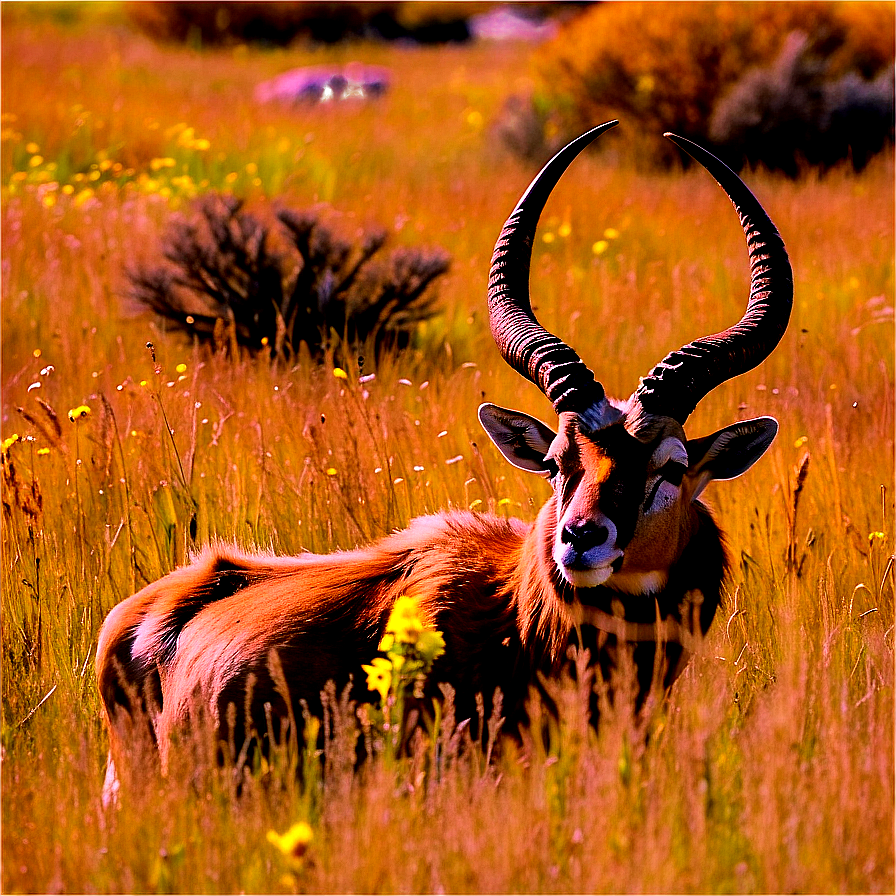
x=623, y=551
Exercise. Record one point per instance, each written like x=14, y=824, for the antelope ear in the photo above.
x=522, y=439
x=729, y=452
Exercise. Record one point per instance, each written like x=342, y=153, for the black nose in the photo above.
x=584, y=534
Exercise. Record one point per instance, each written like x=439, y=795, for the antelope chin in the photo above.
x=587, y=578
x=651, y=582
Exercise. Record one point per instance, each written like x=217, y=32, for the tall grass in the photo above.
x=771, y=766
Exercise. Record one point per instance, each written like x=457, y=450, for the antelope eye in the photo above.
x=551, y=468
x=673, y=471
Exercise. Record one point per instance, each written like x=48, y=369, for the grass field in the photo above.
x=771, y=767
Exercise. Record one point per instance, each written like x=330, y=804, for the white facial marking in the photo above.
x=669, y=457
x=670, y=449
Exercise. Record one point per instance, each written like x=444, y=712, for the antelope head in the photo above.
x=624, y=473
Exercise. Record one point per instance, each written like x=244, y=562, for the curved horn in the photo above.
x=538, y=355
x=676, y=385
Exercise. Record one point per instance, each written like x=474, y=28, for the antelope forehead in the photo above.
x=612, y=451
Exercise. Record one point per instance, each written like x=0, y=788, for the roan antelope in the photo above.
x=624, y=527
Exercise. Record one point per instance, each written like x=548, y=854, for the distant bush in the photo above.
x=722, y=70
x=793, y=111
x=281, y=23
x=228, y=274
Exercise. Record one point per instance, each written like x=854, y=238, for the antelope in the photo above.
x=623, y=555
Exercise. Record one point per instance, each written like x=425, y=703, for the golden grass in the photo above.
x=771, y=767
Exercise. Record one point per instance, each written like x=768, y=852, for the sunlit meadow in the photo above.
x=770, y=769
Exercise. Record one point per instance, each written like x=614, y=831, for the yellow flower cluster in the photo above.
x=411, y=647
x=186, y=138
x=601, y=246
x=172, y=175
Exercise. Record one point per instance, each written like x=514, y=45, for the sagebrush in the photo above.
x=224, y=277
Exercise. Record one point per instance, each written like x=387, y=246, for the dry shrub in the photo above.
x=226, y=271
x=668, y=66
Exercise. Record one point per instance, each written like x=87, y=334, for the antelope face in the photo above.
x=624, y=474
x=621, y=500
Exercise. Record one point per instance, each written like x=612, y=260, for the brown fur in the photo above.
x=194, y=640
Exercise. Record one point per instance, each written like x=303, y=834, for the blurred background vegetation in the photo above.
x=770, y=768
x=780, y=84
x=788, y=85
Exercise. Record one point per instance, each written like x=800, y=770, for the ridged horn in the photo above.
x=538, y=355
x=677, y=384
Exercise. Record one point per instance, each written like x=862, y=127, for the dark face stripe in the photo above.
x=612, y=465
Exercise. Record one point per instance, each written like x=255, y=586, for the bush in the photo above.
x=793, y=110
x=281, y=23
x=227, y=269
x=246, y=22
x=668, y=66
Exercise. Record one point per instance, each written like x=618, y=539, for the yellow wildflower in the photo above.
x=800, y=441
x=42, y=452
x=379, y=676
x=430, y=645
x=332, y=471
x=611, y=233
x=181, y=368
x=872, y=536
x=474, y=118
x=8, y=443
x=158, y=164
x=79, y=413
x=33, y=148
x=295, y=842
x=600, y=247
x=404, y=621
x=34, y=161
x=339, y=373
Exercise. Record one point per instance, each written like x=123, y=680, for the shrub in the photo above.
x=281, y=23
x=242, y=22
x=227, y=269
x=792, y=110
x=667, y=66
